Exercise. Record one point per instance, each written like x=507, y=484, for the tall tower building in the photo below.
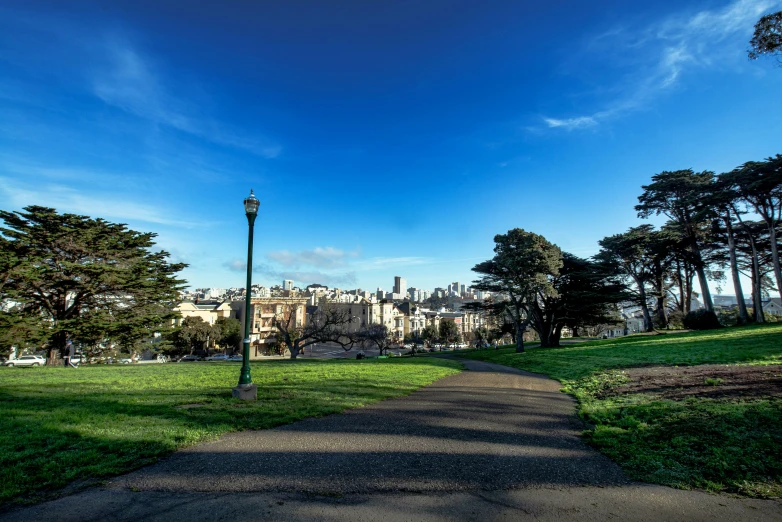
x=287, y=284
x=400, y=285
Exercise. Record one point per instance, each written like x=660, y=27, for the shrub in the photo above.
x=676, y=319
x=701, y=320
x=729, y=317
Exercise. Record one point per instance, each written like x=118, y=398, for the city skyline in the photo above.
x=379, y=139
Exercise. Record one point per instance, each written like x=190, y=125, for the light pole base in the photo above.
x=246, y=392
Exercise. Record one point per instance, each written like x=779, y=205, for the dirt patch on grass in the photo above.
x=709, y=380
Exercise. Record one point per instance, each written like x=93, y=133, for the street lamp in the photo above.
x=246, y=390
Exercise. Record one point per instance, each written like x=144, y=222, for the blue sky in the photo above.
x=382, y=138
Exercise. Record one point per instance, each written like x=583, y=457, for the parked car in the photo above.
x=236, y=357
x=189, y=358
x=27, y=360
x=217, y=357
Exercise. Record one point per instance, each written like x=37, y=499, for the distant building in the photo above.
x=207, y=310
x=400, y=285
x=365, y=313
x=287, y=284
x=263, y=312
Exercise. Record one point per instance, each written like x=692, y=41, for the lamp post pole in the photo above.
x=246, y=389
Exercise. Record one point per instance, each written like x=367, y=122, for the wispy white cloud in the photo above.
x=236, y=265
x=571, y=123
x=328, y=257
x=662, y=52
x=104, y=204
x=381, y=263
x=331, y=266
x=306, y=277
x=130, y=81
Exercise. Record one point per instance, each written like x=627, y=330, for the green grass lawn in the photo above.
x=60, y=427
x=730, y=445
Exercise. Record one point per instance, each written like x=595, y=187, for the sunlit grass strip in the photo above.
x=61, y=425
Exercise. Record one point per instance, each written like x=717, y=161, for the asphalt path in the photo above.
x=491, y=443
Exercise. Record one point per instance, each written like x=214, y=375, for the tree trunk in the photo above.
x=757, y=303
x=775, y=254
x=661, y=308
x=295, y=350
x=556, y=336
x=648, y=325
x=519, y=337
x=688, y=290
x=734, y=270
x=700, y=269
x=680, y=283
x=705, y=292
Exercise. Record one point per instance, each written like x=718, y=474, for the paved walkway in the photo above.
x=491, y=443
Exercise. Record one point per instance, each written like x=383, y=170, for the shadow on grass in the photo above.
x=60, y=425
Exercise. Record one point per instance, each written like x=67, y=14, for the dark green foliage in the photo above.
x=21, y=330
x=683, y=196
x=643, y=257
x=588, y=294
x=521, y=272
x=767, y=38
x=759, y=184
x=430, y=334
x=449, y=332
x=540, y=286
x=230, y=334
x=701, y=320
x=85, y=277
x=194, y=334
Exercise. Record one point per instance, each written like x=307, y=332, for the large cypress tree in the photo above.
x=682, y=196
x=84, y=277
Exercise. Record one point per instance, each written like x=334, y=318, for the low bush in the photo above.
x=701, y=320
x=676, y=319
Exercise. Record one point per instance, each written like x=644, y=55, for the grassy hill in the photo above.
x=63, y=426
x=697, y=409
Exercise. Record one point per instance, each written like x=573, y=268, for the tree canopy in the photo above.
x=83, y=278
x=520, y=270
x=683, y=196
x=767, y=38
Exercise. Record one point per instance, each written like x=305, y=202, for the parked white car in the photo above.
x=27, y=360
x=217, y=357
